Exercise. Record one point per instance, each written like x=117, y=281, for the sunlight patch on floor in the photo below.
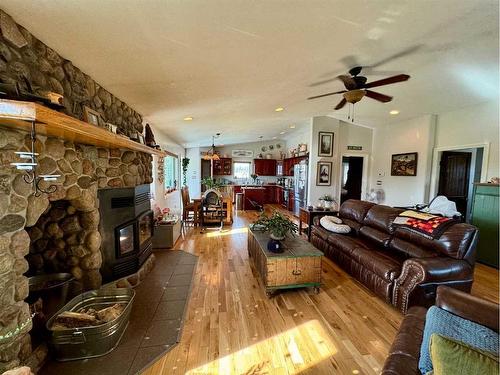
x=227, y=232
x=289, y=352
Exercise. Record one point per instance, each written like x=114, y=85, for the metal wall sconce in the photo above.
x=29, y=166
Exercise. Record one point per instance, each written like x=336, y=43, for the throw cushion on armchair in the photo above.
x=447, y=324
x=454, y=357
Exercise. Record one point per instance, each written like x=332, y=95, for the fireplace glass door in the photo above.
x=145, y=228
x=125, y=239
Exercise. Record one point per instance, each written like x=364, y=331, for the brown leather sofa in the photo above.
x=405, y=350
x=401, y=266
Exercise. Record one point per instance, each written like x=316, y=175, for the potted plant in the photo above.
x=327, y=201
x=185, y=163
x=278, y=227
x=254, y=178
x=211, y=183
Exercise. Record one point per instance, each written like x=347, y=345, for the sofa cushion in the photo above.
x=376, y=236
x=454, y=242
x=355, y=226
x=447, y=324
x=346, y=243
x=381, y=217
x=354, y=210
x=382, y=264
x=411, y=250
x=320, y=232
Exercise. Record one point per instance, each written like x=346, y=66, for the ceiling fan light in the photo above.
x=354, y=96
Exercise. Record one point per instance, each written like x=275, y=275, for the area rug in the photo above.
x=155, y=322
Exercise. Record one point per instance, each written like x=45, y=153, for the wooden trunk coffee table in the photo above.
x=298, y=266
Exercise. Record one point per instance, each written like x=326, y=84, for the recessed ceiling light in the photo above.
x=189, y=118
x=283, y=132
x=275, y=137
x=292, y=126
x=279, y=109
x=394, y=112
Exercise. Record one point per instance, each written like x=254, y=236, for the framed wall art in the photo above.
x=325, y=144
x=324, y=173
x=91, y=116
x=404, y=164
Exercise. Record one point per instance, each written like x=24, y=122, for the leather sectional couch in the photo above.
x=399, y=265
x=405, y=350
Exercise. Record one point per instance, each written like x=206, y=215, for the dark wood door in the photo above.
x=454, y=178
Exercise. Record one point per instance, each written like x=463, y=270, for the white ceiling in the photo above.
x=229, y=64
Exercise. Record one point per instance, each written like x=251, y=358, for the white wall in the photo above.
x=327, y=124
x=298, y=136
x=171, y=200
x=415, y=135
x=468, y=127
x=472, y=125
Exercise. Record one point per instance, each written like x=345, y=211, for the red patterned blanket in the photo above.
x=431, y=226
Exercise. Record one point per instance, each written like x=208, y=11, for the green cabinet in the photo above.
x=485, y=217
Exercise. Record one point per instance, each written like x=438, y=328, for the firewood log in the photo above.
x=70, y=319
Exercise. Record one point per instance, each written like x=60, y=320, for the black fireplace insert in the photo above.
x=126, y=228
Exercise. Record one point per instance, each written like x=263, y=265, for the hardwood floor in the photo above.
x=233, y=328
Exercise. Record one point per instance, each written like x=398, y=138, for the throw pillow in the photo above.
x=454, y=357
x=447, y=324
x=331, y=223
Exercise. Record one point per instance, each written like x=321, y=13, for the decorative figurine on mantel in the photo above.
x=150, y=138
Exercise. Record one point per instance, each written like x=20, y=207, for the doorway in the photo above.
x=458, y=171
x=352, y=178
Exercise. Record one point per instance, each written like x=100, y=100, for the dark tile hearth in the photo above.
x=155, y=321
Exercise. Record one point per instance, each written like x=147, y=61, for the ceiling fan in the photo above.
x=357, y=87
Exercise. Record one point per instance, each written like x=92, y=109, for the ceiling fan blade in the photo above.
x=397, y=55
x=349, y=82
x=322, y=82
x=388, y=81
x=341, y=104
x=330, y=93
x=378, y=96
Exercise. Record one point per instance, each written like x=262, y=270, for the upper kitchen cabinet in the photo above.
x=265, y=167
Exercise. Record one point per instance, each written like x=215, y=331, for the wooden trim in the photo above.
x=18, y=115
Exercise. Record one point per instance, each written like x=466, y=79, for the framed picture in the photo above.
x=91, y=116
x=404, y=164
x=325, y=144
x=324, y=173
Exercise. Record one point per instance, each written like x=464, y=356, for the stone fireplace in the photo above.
x=57, y=232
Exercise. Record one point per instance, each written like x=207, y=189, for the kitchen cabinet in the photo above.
x=291, y=200
x=254, y=194
x=278, y=195
x=270, y=194
x=485, y=217
x=223, y=167
x=265, y=167
x=289, y=163
x=279, y=168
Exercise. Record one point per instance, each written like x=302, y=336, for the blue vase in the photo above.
x=275, y=246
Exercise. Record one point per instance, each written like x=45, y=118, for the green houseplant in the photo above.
x=277, y=225
x=185, y=163
x=211, y=183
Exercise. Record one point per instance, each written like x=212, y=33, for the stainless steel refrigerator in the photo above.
x=299, y=186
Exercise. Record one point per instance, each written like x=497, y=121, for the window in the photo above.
x=242, y=169
x=171, y=167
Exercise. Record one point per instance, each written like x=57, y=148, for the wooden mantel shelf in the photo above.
x=19, y=115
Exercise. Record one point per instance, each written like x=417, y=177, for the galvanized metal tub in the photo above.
x=89, y=342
